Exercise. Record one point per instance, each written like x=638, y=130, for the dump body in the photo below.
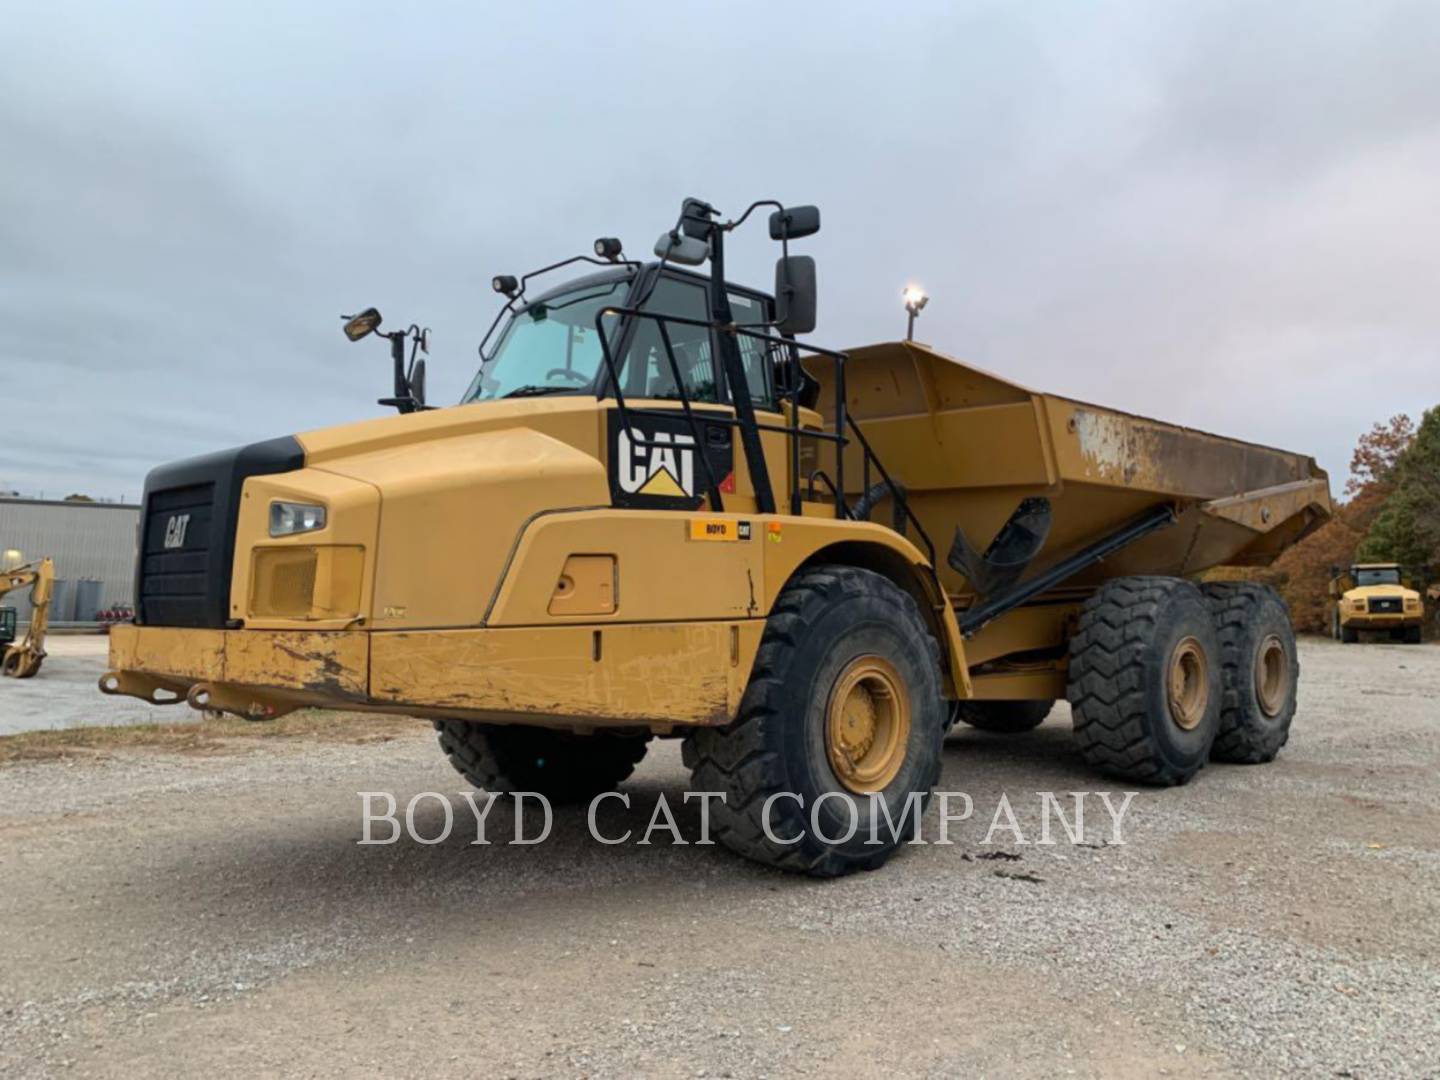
x=968, y=446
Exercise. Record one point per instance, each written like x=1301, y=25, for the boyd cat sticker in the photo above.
x=660, y=467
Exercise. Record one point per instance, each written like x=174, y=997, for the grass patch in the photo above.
x=204, y=737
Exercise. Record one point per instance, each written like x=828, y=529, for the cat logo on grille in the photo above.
x=175, y=530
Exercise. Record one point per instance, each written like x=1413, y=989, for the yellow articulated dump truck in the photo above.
x=1374, y=598
x=657, y=513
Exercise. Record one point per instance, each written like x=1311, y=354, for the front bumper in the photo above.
x=1386, y=620
x=659, y=675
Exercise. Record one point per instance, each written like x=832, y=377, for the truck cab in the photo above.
x=550, y=346
x=1373, y=598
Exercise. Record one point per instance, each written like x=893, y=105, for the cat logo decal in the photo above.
x=655, y=461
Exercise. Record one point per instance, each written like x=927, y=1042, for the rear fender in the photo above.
x=791, y=546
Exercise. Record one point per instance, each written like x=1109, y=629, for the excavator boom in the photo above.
x=22, y=659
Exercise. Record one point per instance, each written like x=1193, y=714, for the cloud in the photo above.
x=1220, y=215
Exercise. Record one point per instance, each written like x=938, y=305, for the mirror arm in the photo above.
x=402, y=400
x=736, y=382
x=729, y=225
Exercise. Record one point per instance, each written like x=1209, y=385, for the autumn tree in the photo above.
x=1407, y=528
x=1303, y=573
x=1378, y=452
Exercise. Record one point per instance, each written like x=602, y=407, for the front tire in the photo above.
x=1260, y=669
x=562, y=766
x=1145, y=680
x=843, y=706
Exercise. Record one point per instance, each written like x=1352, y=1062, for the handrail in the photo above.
x=897, y=494
x=844, y=423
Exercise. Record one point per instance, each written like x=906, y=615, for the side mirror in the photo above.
x=795, y=294
x=362, y=325
x=682, y=249
x=794, y=222
x=425, y=340
x=417, y=382
x=695, y=215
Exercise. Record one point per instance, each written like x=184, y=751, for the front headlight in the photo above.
x=287, y=518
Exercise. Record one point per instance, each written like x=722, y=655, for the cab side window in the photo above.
x=754, y=354
x=647, y=372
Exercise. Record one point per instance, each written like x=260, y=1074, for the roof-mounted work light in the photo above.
x=915, y=301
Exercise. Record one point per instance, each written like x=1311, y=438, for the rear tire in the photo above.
x=1003, y=717
x=1145, y=680
x=562, y=766
x=845, y=655
x=1260, y=671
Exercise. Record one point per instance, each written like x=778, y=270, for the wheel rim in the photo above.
x=1189, y=684
x=1272, y=675
x=867, y=724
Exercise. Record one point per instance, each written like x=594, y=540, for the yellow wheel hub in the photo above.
x=867, y=724
x=1189, y=684
x=1272, y=675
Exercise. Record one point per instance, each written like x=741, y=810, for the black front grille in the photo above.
x=187, y=539
x=1385, y=605
x=176, y=553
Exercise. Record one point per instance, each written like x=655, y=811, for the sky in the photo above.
x=1223, y=215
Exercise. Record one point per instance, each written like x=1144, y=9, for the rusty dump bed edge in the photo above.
x=968, y=445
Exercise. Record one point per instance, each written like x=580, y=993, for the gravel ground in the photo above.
x=63, y=695
x=213, y=913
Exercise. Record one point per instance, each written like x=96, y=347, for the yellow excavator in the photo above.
x=22, y=660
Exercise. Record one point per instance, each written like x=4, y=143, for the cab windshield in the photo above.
x=1388, y=576
x=550, y=346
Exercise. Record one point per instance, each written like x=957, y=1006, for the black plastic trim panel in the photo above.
x=189, y=584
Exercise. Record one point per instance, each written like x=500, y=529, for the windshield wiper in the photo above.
x=536, y=391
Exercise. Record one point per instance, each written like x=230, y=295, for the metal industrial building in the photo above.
x=92, y=543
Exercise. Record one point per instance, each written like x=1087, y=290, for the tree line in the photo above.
x=1391, y=513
